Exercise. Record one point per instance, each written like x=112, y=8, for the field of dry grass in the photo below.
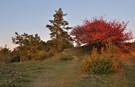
x=59, y=73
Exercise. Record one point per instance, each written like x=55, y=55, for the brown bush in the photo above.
x=105, y=62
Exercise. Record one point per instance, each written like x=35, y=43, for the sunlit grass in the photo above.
x=57, y=73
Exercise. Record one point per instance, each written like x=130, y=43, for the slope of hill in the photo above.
x=62, y=73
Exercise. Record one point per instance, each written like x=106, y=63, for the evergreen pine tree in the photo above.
x=59, y=28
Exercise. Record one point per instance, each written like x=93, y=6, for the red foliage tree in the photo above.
x=99, y=31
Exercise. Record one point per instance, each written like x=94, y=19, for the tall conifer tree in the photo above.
x=59, y=28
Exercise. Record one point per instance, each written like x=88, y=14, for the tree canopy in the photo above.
x=29, y=45
x=58, y=28
x=98, y=31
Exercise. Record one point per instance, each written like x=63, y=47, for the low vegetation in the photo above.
x=65, y=57
x=103, y=63
x=57, y=73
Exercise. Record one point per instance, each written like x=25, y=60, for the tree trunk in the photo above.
x=56, y=48
x=102, y=49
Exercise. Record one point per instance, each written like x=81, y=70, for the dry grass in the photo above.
x=57, y=73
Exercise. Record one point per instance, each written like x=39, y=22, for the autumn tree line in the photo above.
x=94, y=33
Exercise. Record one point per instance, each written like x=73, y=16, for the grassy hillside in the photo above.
x=55, y=72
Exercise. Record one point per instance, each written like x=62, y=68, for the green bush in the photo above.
x=101, y=63
x=49, y=54
x=65, y=57
x=5, y=55
x=41, y=55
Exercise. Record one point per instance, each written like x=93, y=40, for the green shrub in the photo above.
x=101, y=63
x=49, y=54
x=41, y=55
x=5, y=55
x=65, y=57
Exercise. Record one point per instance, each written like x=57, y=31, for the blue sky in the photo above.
x=31, y=16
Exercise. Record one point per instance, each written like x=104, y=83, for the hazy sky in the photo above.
x=31, y=16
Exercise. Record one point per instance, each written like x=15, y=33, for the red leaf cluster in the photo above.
x=99, y=30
